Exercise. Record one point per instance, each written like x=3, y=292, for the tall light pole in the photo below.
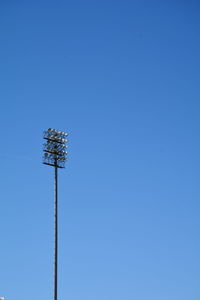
x=55, y=155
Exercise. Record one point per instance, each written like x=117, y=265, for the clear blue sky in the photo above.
x=122, y=77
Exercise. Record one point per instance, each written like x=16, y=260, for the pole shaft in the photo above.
x=56, y=233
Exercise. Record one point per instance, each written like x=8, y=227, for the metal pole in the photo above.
x=55, y=155
x=56, y=233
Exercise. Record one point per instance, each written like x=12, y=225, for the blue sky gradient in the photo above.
x=122, y=77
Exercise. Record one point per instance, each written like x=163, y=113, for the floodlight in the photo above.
x=55, y=156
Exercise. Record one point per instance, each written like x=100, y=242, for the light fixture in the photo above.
x=55, y=156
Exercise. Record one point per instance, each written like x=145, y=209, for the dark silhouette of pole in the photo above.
x=55, y=156
x=56, y=234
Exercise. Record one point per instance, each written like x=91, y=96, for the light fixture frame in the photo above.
x=55, y=153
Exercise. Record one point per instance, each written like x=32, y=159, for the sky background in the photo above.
x=122, y=77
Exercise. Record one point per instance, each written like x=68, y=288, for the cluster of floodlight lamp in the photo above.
x=55, y=153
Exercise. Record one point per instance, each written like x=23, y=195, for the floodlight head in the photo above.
x=54, y=148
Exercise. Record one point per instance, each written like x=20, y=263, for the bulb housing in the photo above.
x=55, y=145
